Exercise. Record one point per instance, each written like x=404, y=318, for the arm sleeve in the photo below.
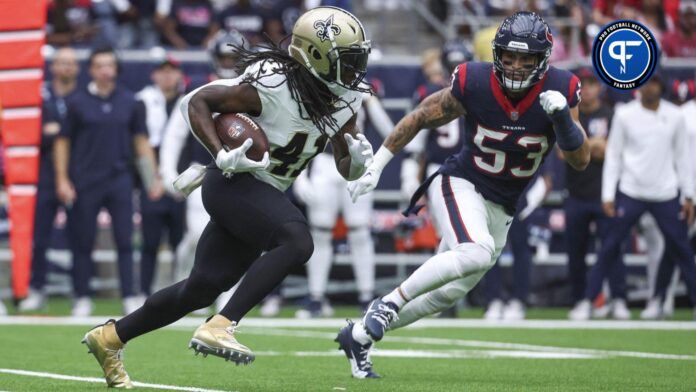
x=682, y=158
x=612, y=159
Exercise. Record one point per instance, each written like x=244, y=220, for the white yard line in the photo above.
x=339, y=322
x=446, y=354
x=480, y=344
x=64, y=377
x=266, y=327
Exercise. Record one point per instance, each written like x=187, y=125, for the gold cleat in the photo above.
x=107, y=348
x=216, y=337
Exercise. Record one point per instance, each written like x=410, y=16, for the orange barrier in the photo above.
x=22, y=15
x=21, y=75
x=20, y=88
x=21, y=165
x=21, y=50
x=22, y=200
x=21, y=127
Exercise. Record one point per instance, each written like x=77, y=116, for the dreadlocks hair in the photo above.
x=314, y=100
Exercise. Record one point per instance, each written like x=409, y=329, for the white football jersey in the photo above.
x=293, y=140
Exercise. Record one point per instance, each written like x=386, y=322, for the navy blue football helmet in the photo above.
x=455, y=52
x=522, y=32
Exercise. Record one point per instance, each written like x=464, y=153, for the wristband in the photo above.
x=568, y=135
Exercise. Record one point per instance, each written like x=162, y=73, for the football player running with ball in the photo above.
x=301, y=99
x=515, y=110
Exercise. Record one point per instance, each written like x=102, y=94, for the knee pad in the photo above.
x=473, y=257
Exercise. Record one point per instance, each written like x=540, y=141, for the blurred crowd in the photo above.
x=576, y=23
x=181, y=24
x=191, y=24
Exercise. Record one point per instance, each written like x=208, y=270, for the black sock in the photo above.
x=165, y=307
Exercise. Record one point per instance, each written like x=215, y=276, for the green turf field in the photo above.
x=414, y=359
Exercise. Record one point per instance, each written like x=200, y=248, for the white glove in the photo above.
x=368, y=182
x=236, y=161
x=360, y=150
x=552, y=101
x=303, y=188
x=365, y=184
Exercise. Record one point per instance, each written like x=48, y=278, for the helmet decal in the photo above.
x=549, y=36
x=331, y=43
x=326, y=27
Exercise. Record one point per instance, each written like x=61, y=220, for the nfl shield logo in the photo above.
x=514, y=115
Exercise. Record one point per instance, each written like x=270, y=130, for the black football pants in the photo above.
x=248, y=217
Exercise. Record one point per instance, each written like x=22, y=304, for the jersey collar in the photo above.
x=514, y=112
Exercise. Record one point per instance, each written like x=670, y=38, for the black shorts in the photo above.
x=247, y=208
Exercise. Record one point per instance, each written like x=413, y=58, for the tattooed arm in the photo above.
x=436, y=110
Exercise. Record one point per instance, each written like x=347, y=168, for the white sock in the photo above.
x=362, y=250
x=436, y=300
x=464, y=260
x=396, y=298
x=319, y=265
x=359, y=333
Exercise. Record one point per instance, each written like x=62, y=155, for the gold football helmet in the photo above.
x=331, y=43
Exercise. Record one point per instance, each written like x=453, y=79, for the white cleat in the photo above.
x=3, y=309
x=619, y=310
x=82, y=307
x=653, y=310
x=494, y=311
x=514, y=311
x=581, y=312
x=36, y=300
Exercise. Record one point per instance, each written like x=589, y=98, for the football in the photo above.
x=234, y=128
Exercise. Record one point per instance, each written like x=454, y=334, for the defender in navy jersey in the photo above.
x=516, y=109
x=429, y=150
